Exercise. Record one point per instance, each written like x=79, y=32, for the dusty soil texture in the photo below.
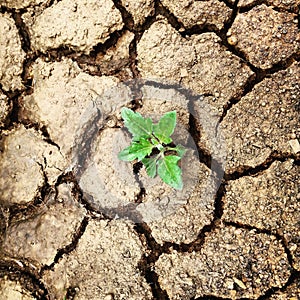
x=78, y=223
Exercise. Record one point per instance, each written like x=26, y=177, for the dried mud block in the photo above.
x=161, y=51
x=108, y=183
x=265, y=36
x=139, y=9
x=159, y=100
x=204, y=13
x=264, y=121
x=217, y=71
x=13, y=290
x=5, y=109
x=233, y=263
x=19, y=4
x=25, y=157
x=70, y=102
x=292, y=292
x=79, y=25
x=11, y=54
x=104, y=265
x=116, y=57
x=51, y=228
x=269, y=201
x=200, y=63
x=290, y=5
x=179, y=218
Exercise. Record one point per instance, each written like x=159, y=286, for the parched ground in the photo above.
x=77, y=223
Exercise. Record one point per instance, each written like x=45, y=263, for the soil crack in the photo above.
x=69, y=248
x=295, y=277
x=269, y=232
x=28, y=280
x=147, y=263
x=126, y=16
x=257, y=170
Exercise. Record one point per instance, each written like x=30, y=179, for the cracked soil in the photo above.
x=77, y=223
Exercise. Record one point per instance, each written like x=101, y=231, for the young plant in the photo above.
x=151, y=144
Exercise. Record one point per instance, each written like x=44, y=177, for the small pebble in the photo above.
x=232, y=40
x=295, y=145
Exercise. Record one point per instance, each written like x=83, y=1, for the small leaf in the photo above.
x=137, y=125
x=180, y=150
x=126, y=154
x=169, y=171
x=137, y=149
x=150, y=164
x=142, y=148
x=165, y=127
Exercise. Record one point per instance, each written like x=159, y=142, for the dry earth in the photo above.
x=77, y=223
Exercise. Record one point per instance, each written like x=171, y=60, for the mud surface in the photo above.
x=76, y=222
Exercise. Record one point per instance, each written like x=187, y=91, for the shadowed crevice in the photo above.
x=257, y=170
x=269, y=232
x=147, y=263
x=217, y=215
x=209, y=297
x=126, y=15
x=22, y=29
x=255, y=3
x=69, y=248
x=26, y=278
x=14, y=114
x=228, y=3
x=212, y=161
x=77, y=194
x=203, y=28
x=295, y=277
x=195, y=132
x=172, y=19
x=102, y=47
x=136, y=169
x=26, y=210
x=258, y=76
x=134, y=57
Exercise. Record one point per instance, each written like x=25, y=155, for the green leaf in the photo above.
x=146, y=137
x=138, y=149
x=150, y=164
x=180, y=150
x=137, y=125
x=126, y=154
x=169, y=171
x=165, y=127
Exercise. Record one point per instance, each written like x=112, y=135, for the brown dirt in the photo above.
x=76, y=222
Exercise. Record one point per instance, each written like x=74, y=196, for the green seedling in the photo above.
x=153, y=146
